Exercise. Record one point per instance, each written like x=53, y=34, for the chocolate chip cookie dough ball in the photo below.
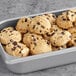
x=71, y=15
x=6, y=37
x=17, y=49
x=60, y=38
x=51, y=17
x=28, y=38
x=64, y=22
x=40, y=46
x=22, y=25
x=73, y=39
x=39, y=25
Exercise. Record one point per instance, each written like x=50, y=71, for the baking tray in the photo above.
x=36, y=62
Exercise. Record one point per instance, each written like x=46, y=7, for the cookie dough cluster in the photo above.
x=40, y=34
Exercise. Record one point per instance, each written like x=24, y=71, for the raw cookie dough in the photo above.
x=60, y=38
x=64, y=22
x=17, y=49
x=6, y=37
x=22, y=25
x=28, y=38
x=40, y=46
x=39, y=25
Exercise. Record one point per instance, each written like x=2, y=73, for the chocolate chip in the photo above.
x=56, y=46
x=37, y=38
x=56, y=30
x=18, y=46
x=33, y=26
x=62, y=33
x=27, y=24
x=53, y=16
x=25, y=19
x=48, y=42
x=72, y=15
x=10, y=31
x=34, y=39
x=74, y=40
x=33, y=16
x=14, y=43
x=19, y=51
x=48, y=18
x=68, y=19
x=40, y=31
x=52, y=34
x=4, y=31
x=54, y=42
x=11, y=40
x=43, y=27
x=13, y=49
x=73, y=23
x=46, y=14
x=35, y=44
x=64, y=19
x=38, y=23
x=47, y=34
x=32, y=35
x=42, y=35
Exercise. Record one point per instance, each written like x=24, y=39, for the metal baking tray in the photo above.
x=36, y=62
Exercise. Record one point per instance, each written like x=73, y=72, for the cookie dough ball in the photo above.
x=60, y=38
x=28, y=38
x=39, y=25
x=72, y=42
x=17, y=49
x=22, y=25
x=41, y=46
x=71, y=16
x=63, y=22
x=50, y=17
x=7, y=29
x=73, y=31
x=5, y=37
